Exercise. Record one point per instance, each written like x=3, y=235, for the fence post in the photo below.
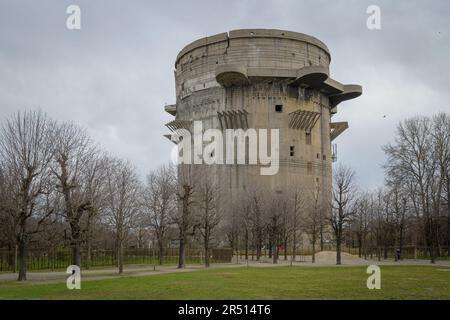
x=153, y=258
x=15, y=258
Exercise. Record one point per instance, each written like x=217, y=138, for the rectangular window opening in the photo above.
x=308, y=137
x=279, y=108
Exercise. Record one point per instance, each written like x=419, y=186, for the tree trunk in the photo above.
x=429, y=238
x=120, y=256
x=258, y=252
x=434, y=243
x=160, y=252
x=448, y=230
x=294, y=245
x=400, y=242
x=76, y=254
x=338, y=250
x=89, y=239
x=285, y=248
x=258, y=245
x=321, y=232
x=22, y=260
x=274, y=250
x=206, y=241
x=448, y=216
x=207, y=256
x=16, y=252
x=313, y=258
x=359, y=245
x=270, y=248
x=75, y=241
x=432, y=254
x=246, y=244
x=338, y=244
x=182, y=254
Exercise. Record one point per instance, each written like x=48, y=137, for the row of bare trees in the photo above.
x=57, y=184
x=413, y=206
x=58, y=187
x=53, y=173
x=54, y=178
x=262, y=219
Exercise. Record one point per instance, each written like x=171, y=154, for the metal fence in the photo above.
x=407, y=252
x=60, y=259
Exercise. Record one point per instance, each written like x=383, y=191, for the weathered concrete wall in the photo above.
x=252, y=71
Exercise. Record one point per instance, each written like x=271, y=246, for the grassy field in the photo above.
x=397, y=282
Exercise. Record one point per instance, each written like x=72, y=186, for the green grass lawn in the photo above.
x=397, y=282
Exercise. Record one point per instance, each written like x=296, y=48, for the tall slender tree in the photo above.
x=26, y=148
x=209, y=215
x=122, y=204
x=159, y=203
x=74, y=150
x=344, y=192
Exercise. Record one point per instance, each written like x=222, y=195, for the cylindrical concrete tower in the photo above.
x=264, y=79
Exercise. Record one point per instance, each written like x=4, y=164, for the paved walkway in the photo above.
x=323, y=259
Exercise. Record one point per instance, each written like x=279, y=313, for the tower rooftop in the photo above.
x=252, y=33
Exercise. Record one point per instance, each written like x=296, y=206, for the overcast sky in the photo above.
x=115, y=74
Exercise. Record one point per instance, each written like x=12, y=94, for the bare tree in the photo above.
x=209, y=215
x=312, y=218
x=378, y=219
x=26, y=150
x=361, y=221
x=256, y=197
x=122, y=207
x=398, y=206
x=8, y=222
x=344, y=191
x=232, y=228
x=274, y=220
x=286, y=227
x=441, y=142
x=94, y=188
x=414, y=157
x=184, y=217
x=386, y=219
x=297, y=207
x=160, y=203
x=73, y=152
x=246, y=219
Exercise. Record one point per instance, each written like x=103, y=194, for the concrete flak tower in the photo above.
x=264, y=79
